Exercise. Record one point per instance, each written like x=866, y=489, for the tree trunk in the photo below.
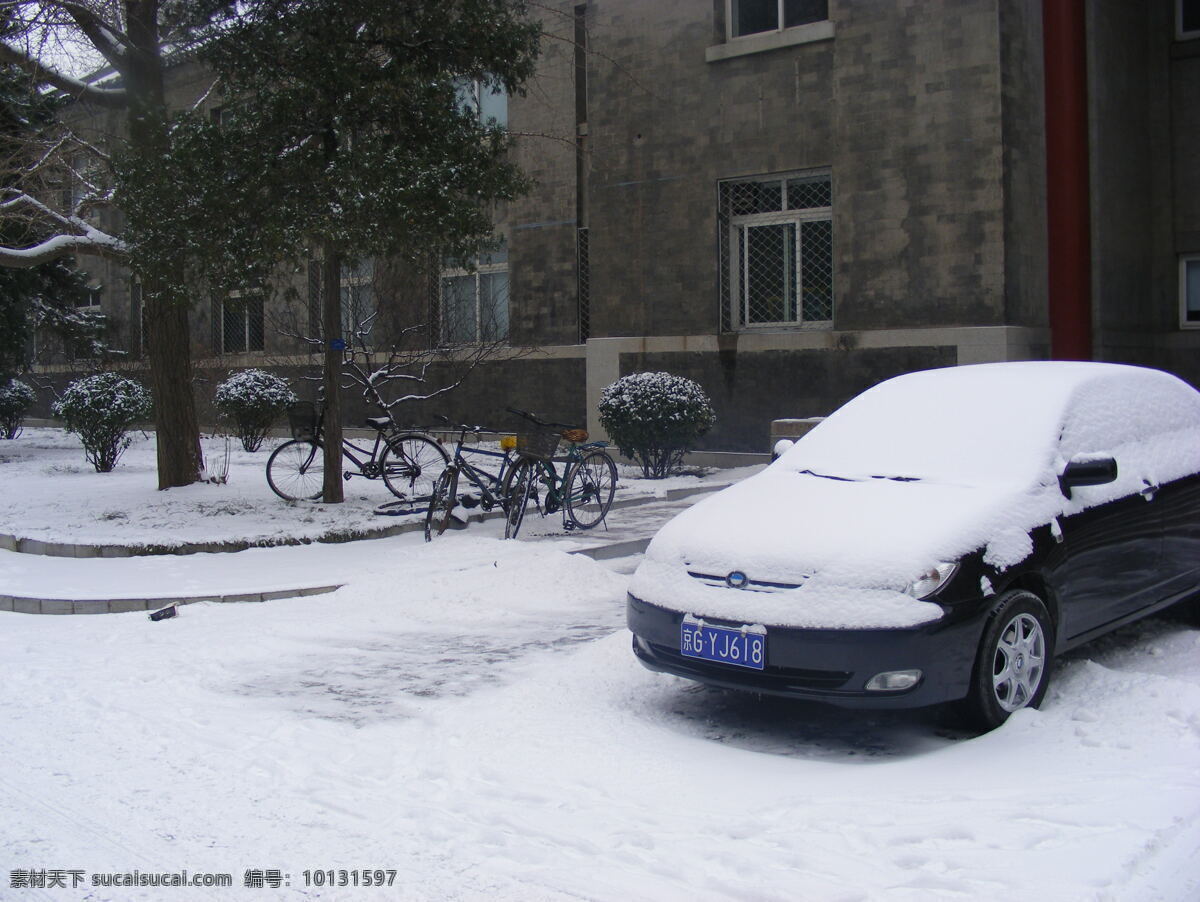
x=331, y=328
x=180, y=460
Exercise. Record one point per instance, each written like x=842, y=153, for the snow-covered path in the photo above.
x=468, y=714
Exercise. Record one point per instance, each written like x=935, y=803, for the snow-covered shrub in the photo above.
x=655, y=417
x=101, y=408
x=253, y=399
x=15, y=400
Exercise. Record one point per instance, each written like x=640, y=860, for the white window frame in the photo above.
x=1184, y=322
x=779, y=26
x=95, y=296
x=470, y=91
x=738, y=266
x=358, y=276
x=482, y=269
x=245, y=295
x=1180, y=34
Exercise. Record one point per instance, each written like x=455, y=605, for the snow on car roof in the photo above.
x=993, y=423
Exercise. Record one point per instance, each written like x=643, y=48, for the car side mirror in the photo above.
x=1096, y=471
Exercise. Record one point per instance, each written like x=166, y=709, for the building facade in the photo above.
x=791, y=200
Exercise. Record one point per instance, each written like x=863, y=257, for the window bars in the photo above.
x=776, y=248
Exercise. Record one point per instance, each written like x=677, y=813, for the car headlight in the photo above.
x=932, y=580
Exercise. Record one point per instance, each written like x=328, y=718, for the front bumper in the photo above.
x=827, y=665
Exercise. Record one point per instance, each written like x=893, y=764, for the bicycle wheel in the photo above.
x=521, y=489
x=411, y=464
x=590, y=489
x=441, y=503
x=296, y=470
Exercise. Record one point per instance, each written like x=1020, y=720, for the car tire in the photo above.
x=1016, y=656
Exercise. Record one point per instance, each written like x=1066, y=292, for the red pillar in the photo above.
x=1068, y=206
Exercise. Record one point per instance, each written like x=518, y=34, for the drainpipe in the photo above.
x=1068, y=184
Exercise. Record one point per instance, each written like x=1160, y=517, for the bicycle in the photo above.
x=585, y=490
x=491, y=487
x=407, y=461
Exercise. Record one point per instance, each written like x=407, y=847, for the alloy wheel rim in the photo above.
x=1020, y=662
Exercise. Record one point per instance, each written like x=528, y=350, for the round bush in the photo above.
x=101, y=409
x=15, y=400
x=253, y=399
x=654, y=418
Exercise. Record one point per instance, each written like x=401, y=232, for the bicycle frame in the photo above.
x=489, y=484
x=369, y=467
x=549, y=476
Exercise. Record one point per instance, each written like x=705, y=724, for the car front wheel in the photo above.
x=1012, y=670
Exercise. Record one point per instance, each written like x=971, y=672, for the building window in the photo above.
x=474, y=300
x=1187, y=19
x=747, y=17
x=358, y=297
x=242, y=322
x=490, y=102
x=777, y=250
x=90, y=299
x=1189, y=291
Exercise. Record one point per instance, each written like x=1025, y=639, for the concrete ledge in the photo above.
x=65, y=549
x=614, y=550
x=22, y=605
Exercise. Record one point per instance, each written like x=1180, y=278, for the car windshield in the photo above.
x=978, y=425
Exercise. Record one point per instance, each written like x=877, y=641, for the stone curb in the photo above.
x=26, y=605
x=19, y=604
x=67, y=549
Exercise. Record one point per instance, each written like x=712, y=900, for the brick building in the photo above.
x=790, y=200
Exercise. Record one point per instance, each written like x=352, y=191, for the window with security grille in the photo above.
x=488, y=101
x=358, y=297
x=242, y=322
x=1189, y=291
x=757, y=16
x=1187, y=19
x=474, y=300
x=776, y=242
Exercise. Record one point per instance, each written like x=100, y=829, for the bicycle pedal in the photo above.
x=469, y=501
x=346, y=474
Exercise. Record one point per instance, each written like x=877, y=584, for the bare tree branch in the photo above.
x=112, y=98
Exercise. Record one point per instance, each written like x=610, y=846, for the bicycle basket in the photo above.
x=303, y=419
x=541, y=445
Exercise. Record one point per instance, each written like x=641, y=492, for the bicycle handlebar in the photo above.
x=465, y=427
x=535, y=419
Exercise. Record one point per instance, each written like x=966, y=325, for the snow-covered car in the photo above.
x=941, y=537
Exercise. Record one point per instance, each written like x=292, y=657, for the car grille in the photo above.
x=754, y=585
x=779, y=678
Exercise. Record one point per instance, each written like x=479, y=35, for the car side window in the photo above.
x=1148, y=423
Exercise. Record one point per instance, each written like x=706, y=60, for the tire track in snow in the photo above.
x=58, y=814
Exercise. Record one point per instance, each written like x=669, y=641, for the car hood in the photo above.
x=842, y=543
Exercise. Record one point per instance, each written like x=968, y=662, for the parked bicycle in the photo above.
x=490, y=489
x=407, y=461
x=583, y=491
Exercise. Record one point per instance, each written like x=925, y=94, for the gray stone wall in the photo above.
x=918, y=180
x=1024, y=147
x=748, y=391
x=903, y=103
x=1127, y=55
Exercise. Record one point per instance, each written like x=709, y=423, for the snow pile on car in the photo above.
x=924, y=468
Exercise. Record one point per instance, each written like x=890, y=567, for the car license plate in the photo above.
x=739, y=647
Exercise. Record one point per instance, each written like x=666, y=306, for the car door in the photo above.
x=1179, y=504
x=1107, y=564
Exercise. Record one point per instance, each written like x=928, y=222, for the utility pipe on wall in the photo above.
x=1068, y=183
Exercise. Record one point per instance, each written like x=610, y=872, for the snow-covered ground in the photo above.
x=468, y=714
x=51, y=493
